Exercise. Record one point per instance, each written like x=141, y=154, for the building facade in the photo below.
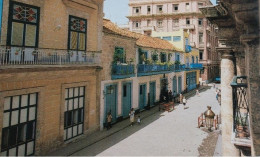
x=150, y=16
x=134, y=69
x=238, y=33
x=49, y=74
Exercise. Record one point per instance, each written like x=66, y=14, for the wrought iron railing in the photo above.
x=150, y=69
x=30, y=56
x=120, y=71
x=240, y=107
x=196, y=66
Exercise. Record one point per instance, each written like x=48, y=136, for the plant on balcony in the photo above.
x=34, y=53
x=149, y=61
x=154, y=56
x=177, y=62
x=242, y=130
x=131, y=60
x=169, y=63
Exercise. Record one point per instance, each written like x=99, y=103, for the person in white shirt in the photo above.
x=184, y=101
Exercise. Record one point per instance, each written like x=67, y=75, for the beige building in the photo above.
x=160, y=17
x=238, y=34
x=49, y=73
x=135, y=66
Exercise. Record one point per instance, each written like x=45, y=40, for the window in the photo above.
x=148, y=22
x=24, y=25
x=187, y=6
x=175, y=7
x=159, y=8
x=119, y=55
x=124, y=91
x=200, y=22
x=200, y=38
x=168, y=38
x=176, y=38
x=163, y=57
x=201, y=54
x=137, y=10
x=137, y=24
x=175, y=22
x=187, y=21
x=148, y=9
x=200, y=4
x=77, y=33
x=159, y=23
x=19, y=124
x=74, y=112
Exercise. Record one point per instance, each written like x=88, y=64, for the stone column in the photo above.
x=227, y=74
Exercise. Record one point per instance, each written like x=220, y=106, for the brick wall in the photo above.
x=50, y=83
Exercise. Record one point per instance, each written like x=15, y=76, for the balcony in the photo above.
x=121, y=71
x=188, y=48
x=241, y=125
x=190, y=26
x=29, y=56
x=154, y=69
x=193, y=66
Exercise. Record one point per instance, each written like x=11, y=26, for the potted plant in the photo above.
x=241, y=127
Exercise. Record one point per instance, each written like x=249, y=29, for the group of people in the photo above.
x=131, y=115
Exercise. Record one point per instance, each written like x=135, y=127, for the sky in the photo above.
x=117, y=10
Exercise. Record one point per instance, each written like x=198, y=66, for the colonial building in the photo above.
x=238, y=33
x=49, y=73
x=134, y=69
x=164, y=16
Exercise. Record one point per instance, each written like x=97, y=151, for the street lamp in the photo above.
x=209, y=116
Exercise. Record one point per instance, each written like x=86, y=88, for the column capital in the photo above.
x=226, y=52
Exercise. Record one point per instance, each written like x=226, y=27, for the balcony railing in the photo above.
x=120, y=71
x=153, y=69
x=190, y=26
x=188, y=48
x=192, y=66
x=30, y=56
x=241, y=126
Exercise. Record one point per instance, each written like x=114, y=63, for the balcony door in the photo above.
x=142, y=96
x=127, y=98
x=111, y=101
x=77, y=37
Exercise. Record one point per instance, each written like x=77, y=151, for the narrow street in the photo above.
x=162, y=133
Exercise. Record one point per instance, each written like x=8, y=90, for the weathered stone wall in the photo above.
x=252, y=71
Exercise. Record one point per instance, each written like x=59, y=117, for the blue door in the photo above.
x=111, y=101
x=142, y=96
x=126, y=98
x=152, y=93
x=174, y=86
x=179, y=84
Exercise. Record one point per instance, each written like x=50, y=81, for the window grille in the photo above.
x=19, y=125
x=74, y=112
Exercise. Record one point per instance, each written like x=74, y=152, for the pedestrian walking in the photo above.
x=132, y=116
x=174, y=96
x=216, y=94
x=184, y=101
x=181, y=98
x=139, y=120
x=109, y=120
x=170, y=95
x=219, y=97
x=197, y=92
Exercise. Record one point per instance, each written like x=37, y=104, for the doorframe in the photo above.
x=122, y=88
x=139, y=94
x=105, y=106
x=154, y=88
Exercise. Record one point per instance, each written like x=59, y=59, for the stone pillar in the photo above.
x=227, y=74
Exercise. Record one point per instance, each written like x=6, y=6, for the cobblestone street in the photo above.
x=162, y=133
